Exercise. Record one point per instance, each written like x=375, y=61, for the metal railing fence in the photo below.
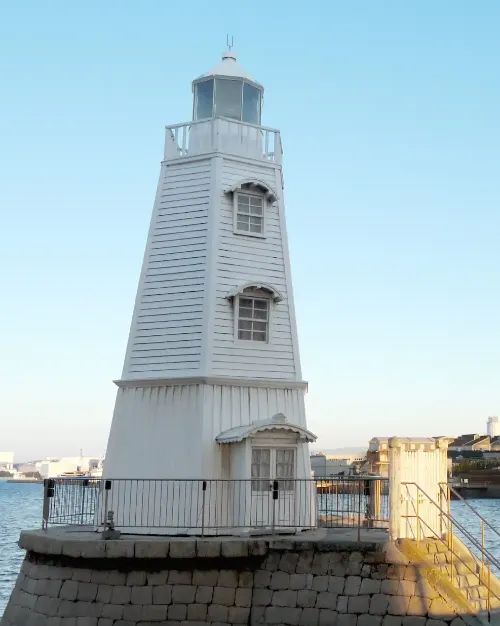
x=216, y=506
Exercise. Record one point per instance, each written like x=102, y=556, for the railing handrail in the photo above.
x=475, y=511
x=220, y=117
x=454, y=522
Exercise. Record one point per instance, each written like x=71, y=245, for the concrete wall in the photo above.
x=302, y=582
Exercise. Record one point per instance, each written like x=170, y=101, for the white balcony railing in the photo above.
x=222, y=134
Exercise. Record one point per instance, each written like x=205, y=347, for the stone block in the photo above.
x=68, y=621
x=119, y=549
x=320, y=583
x=197, y=612
x=87, y=592
x=347, y=619
x=156, y=578
x=261, y=579
x=104, y=621
x=151, y=549
x=243, y=597
x=29, y=585
x=354, y=568
x=99, y=577
x=418, y=606
x=228, y=578
x=155, y=613
x=257, y=547
x=379, y=571
x=183, y=549
x=233, y=549
x=336, y=584
x=132, y=612
x=398, y=605
x=69, y=590
x=411, y=573
x=88, y=609
x=162, y=594
x=352, y=585
x=284, y=598
x=304, y=562
x=342, y=604
x=280, y=580
x=389, y=587
x=435, y=622
x=141, y=595
x=413, y=621
x=358, y=604
x=217, y=613
x=204, y=594
x=95, y=549
x=205, y=577
x=370, y=586
x=309, y=617
x=224, y=596
x=124, y=622
x=457, y=621
x=366, y=570
x=424, y=590
x=47, y=605
x=60, y=573
x=306, y=598
x=301, y=581
x=179, y=577
x=182, y=594
x=379, y=604
x=272, y=561
x=392, y=620
x=121, y=594
x=245, y=580
x=54, y=621
x=288, y=562
x=104, y=593
x=67, y=608
x=208, y=548
x=320, y=564
x=41, y=586
x=282, y=615
x=117, y=578
x=396, y=572
x=177, y=612
x=39, y=571
x=326, y=600
x=262, y=597
x=440, y=610
x=86, y=621
x=238, y=615
x=82, y=575
x=136, y=579
x=54, y=588
x=369, y=620
x=112, y=611
x=327, y=617
x=406, y=588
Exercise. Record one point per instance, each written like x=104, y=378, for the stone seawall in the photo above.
x=73, y=580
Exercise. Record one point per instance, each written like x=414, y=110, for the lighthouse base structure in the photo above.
x=208, y=457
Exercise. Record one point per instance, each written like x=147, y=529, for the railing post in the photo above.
x=204, y=490
x=394, y=488
x=48, y=492
x=275, y=487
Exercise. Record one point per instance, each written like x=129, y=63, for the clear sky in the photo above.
x=389, y=113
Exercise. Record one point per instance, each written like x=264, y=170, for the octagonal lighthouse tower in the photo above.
x=212, y=387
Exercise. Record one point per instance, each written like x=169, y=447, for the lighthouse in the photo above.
x=211, y=388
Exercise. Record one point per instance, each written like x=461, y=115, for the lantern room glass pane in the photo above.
x=228, y=94
x=251, y=104
x=204, y=100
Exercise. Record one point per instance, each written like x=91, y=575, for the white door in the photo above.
x=273, y=487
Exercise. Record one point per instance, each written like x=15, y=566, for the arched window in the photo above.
x=250, y=200
x=252, y=311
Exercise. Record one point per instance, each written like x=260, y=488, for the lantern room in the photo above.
x=227, y=91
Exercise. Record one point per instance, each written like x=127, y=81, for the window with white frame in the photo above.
x=248, y=214
x=261, y=469
x=285, y=467
x=253, y=318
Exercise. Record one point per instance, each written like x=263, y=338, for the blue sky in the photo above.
x=389, y=119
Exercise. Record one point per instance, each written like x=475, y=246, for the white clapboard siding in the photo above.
x=242, y=259
x=167, y=327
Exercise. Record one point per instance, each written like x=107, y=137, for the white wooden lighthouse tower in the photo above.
x=212, y=386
